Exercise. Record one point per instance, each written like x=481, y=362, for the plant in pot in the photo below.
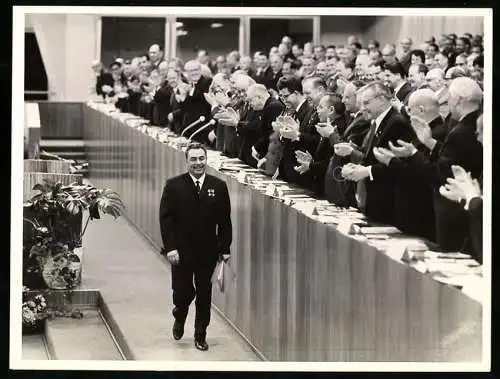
x=53, y=229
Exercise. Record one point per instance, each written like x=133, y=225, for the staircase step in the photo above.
x=81, y=339
x=34, y=348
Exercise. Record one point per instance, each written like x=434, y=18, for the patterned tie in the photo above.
x=198, y=188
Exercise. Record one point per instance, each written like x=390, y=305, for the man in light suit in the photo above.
x=195, y=224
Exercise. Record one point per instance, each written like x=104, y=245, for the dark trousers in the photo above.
x=184, y=293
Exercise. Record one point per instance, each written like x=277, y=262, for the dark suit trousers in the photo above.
x=184, y=293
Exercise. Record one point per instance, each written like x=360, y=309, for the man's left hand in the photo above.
x=357, y=173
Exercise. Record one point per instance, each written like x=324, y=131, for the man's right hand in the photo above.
x=173, y=257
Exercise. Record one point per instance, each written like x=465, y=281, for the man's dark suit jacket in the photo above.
x=404, y=93
x=272, y=109
x=248, y=132
x=163, y=105
x=197, y=226
x=308, y=118
x=261, y=77
x=459, y=148
x=381, y=204
x=195, y=106
x=337, y=191
x=104, y=79
x=270, y=79
x=476, y=227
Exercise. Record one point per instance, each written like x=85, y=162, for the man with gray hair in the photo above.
x=377, y=187
x=460, y=147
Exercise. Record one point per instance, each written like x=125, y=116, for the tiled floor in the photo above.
x=134, y=281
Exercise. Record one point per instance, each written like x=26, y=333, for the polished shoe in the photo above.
x=201, y=344
x=178, y=330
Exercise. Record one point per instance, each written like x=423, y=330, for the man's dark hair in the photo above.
x=262, y=53
x=317, y=82
x=422, y=68
x=334, y=100
x=331, y=47
x=322, y=47
x=395, y=68
x=351, y=63
x=357, y=45
x=375, y=43
x=292, y=84
x=195, y=146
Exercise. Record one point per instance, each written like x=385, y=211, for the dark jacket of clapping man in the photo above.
x=260, y=100
x=377, y=185
x=306, y=118
x=195, y=105
x=461, y=148
x=263, y=71
x=195, y=224
x=103, y=78
x=272, y=77
x=414, y=198
x=331, y=118
x=163, y=97
x=336, y=189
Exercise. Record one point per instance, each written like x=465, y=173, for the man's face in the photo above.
x=460, y=47
x=256, y=101
x=330, y=53
x=314, y=94
x=289, y=99
x=349, y=98
x=143, y=63
x=440, y=61
x=296, y=51
x=319, y=53
x=390, y=79
x=388, y=55
x=196, y=162
x=282, y=49
x=406, y=45
x=323, y=110
x=262, y=61
x=415, y=77
x=331, y=66
x=461, y=62
x=476, y=50
x=172, y=78
x=154, y=53
x=193, y=73
x=245, y=63
x=321, y=69
x=370, y=104
x=286, y=70
x=430, y=51
x=434, y=81
x=307, y=66
x=275, y=63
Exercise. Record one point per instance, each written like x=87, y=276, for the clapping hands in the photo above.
x=461, y=186
x=326, y=129
x=228, y=117
x=304, y=159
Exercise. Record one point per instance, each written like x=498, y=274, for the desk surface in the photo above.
x=304, y=291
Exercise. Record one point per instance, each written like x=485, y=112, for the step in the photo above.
x=34, y=348
x=87, y=338
x=62, y=143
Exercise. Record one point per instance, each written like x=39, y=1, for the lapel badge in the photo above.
x=211, y=192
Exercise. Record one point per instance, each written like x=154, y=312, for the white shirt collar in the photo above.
x=302, y=102
x=381, y=117
x=201, y=180
x=399, y=87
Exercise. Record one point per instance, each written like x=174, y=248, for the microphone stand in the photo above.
x=211, y=122
x=201, y=119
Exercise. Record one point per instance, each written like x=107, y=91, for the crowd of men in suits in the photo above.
x=398, y=136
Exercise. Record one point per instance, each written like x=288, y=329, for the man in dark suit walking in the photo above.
x=195, y=224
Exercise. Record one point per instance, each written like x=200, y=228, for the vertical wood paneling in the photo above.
x=303, y=291
x=61, y=120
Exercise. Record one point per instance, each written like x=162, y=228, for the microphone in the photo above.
x=201, y=119
x=211, y=122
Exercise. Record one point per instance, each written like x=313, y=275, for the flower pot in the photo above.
x=64, y=272
x=38, y=327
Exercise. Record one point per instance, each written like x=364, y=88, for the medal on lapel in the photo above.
x=211, y=192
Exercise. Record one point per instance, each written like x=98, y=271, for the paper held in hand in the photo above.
x=223, y=276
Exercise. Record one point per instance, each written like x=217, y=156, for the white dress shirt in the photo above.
x=200, y=180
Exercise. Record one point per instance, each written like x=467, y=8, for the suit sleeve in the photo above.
x=166, y=218
x=266, y=128
x=225, y=229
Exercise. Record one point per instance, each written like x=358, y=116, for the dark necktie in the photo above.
x=371, y=135
x=198, y=188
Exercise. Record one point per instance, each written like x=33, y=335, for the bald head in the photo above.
x=243, y=82
x=435, y=79
x=257, y=96
x=423, y=103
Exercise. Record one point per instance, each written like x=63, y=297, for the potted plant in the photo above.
x=53, y=229
x=33, y=312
